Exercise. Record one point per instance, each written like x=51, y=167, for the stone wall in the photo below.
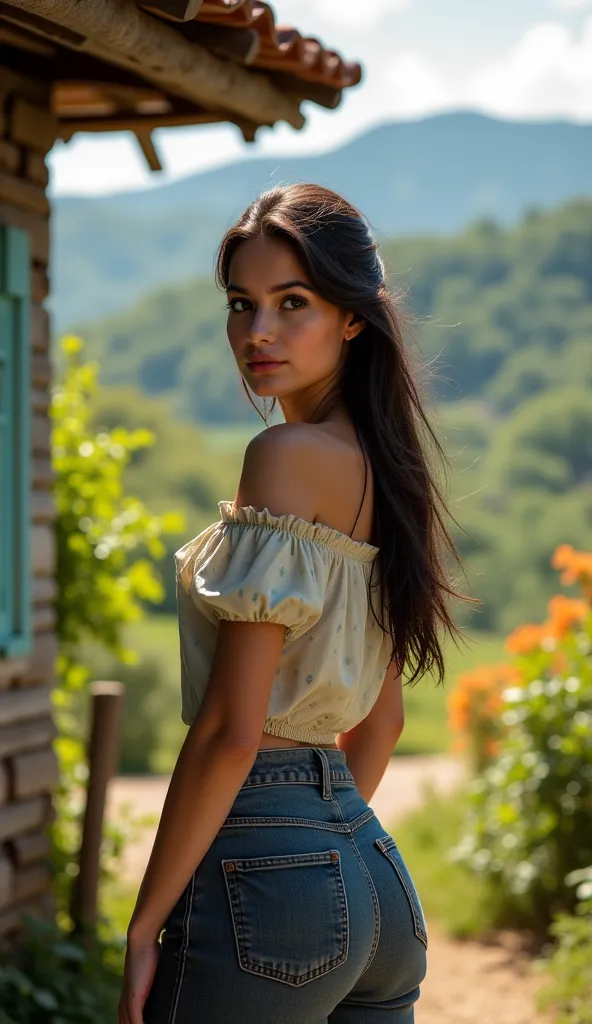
x=28, y=767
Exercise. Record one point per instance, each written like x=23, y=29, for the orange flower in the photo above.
x=474, y=709
x=565, y=613
x=563, y=556
x=458, y=704
x=526, y=638
x=493, y=704
x=576, y=565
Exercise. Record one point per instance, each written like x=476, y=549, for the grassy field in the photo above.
x=154, y=690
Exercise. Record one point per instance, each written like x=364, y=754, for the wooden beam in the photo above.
x=15, y=739
x=30, y=848
x=10, y=668
x=23, y=40
x=34, y=773
x=241, y=44
x=118, y=32
x=137, y=122
x=176, y=10
x=20, y=705
x=31, y=881
x=21, y=817
x=325, y=95
x=41, y=26
x=148, y=149
x=32, y=126
x=23, y=194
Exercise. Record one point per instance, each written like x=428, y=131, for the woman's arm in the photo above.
x=370, y=744
x=215, y=759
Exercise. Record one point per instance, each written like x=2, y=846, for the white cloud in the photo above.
x=414, y=87
x=310, y=15
x=570, y=5
x=547, y=74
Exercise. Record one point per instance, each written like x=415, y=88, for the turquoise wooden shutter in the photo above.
x=15, y=448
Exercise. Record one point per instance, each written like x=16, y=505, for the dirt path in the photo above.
x=471, y=983
x=467, y=982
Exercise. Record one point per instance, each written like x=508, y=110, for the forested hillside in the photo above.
x=504, y=320
x=432, y=175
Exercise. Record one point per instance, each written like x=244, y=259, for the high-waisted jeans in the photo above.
x=301, y=912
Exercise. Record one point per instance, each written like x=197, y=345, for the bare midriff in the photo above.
x=268, y=742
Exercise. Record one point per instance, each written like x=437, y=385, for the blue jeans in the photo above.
x=301, y=912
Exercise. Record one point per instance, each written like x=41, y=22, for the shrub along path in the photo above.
x=467, y=982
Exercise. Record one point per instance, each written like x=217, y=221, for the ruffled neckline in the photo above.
x=302, y=528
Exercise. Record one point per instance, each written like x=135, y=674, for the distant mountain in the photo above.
x=423, y=177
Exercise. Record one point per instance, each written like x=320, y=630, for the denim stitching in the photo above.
x=237, y=915
x=183, y=952
x=374, y=895
x=342, y=826
x=357, y=822
x=326, y=777
x=277, y=778
x=386, y=845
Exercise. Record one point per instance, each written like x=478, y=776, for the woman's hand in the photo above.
x=141, y=960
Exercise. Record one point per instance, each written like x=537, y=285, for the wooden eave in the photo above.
x=119, y=65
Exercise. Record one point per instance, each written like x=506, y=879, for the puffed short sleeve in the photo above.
x=245, y=570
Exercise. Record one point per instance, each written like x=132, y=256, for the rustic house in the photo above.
x=92, y=65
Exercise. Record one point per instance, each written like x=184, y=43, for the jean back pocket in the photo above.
x=289, y=914
x=388, y=846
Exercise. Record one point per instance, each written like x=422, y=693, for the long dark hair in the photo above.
x=378, y=387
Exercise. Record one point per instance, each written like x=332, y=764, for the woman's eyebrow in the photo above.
x=230, y=287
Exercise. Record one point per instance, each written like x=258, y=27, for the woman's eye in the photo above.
x=243, y=305
x=300, y=302
x=232, y=305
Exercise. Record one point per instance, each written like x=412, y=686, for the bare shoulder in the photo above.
x=282, y=470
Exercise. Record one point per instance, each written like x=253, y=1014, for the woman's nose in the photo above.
x=262, y=328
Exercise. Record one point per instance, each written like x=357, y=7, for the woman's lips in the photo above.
x=263, y=367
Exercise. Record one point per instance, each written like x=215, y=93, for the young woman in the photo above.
x=282, y=898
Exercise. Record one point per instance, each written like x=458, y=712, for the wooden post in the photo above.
x=107, y=704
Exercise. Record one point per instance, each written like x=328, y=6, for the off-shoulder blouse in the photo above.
x=255, y=567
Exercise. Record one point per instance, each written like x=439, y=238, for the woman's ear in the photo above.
x=354, y=325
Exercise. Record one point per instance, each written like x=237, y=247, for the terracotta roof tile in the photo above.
x=282, y=48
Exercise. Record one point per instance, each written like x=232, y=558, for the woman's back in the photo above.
x=257, y=566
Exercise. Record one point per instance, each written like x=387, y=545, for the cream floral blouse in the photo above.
x=256, y=567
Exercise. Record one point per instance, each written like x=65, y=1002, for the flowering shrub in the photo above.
x=475, y=704
x=530, y=823
x=474, y=710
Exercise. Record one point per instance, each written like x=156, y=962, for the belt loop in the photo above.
x=327, y=793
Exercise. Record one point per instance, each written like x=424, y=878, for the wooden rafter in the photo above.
x=118, y=32
x=148, y=149
x=176, y=10
x=146, y=123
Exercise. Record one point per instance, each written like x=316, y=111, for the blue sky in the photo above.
x=518, y=59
